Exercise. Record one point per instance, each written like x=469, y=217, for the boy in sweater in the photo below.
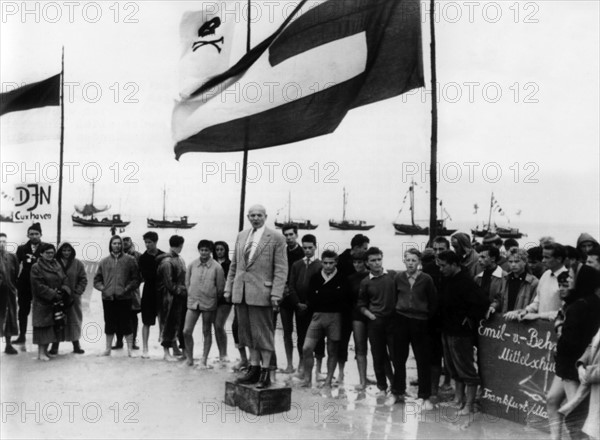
x=326, y=298
x=377, y=301
x=416, y=305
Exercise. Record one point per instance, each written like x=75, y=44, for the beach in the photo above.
x=90, y=396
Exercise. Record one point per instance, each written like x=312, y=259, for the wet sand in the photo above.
x=89, y=396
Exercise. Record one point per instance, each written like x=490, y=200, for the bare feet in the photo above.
x=306, y=384
x=170, y=358
x=105, y=353
x=467, y=410
x=131, y=354
x=43, y=357
x=145, y=355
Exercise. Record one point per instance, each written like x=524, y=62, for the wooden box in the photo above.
x=272, y=400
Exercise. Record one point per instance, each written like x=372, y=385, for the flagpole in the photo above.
x=62, y=138
x=434, y=133
x=246, y=135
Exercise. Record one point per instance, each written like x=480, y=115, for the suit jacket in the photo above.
x=264, y=276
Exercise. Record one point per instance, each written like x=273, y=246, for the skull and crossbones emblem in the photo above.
x=205, y=30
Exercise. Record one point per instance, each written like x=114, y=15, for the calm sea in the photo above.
x=92, y=243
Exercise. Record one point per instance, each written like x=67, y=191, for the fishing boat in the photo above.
x=9, y=218
x=349, y=225
x=415, y=229
x=86, y=215
x=502, y=232
x=182, y=223
x=299, y=223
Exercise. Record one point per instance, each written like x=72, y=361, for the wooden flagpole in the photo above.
x=246, y=134
x=434, y=133
x=62, y=139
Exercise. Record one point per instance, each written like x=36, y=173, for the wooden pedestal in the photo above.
x=272, y=400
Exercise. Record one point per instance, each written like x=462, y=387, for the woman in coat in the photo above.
x=49, y=290
x=588, y=368
x=77, y=281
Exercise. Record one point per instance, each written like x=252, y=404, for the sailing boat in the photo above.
x=349, y=225
x=87, y=218
x=501, y=231
x=415, y=229
x=182, y=223
x=299, y=223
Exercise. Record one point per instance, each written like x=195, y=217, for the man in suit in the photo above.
x=255, y=283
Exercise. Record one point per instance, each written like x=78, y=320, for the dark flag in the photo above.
x=302, y=81
x=40, y=94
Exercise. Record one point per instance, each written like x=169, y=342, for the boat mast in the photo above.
x=344, y=211
x=489, y=227
x=412, y=202
x=164, y=202
x=434, y=130
x=92, y=199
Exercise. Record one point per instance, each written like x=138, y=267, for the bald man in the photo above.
x=255, y=284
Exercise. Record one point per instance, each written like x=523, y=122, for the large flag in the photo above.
x=301, y=81
x=40, y=94
x=29, y=113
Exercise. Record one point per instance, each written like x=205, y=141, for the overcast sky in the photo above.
x=518, y=95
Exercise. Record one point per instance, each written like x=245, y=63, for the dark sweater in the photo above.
x=327, y=297
x=582, y=320
x=353, y=283
x=462, y=304
x=344, y=265
x=419, y=301
x=299, y=282
x=378, y=295
x=293, y=256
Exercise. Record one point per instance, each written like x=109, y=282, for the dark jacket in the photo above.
x=353, y=288
x=524, y=296
x=299, y=282
x=27, y=258
x=171, y=275
x=462, y=304
x=327, y=297
x=582, y=320
x=293, y=256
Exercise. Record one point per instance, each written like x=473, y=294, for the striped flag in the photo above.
x=302, y=81
x=29, y=113
x=40, y=94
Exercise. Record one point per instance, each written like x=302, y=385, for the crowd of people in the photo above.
x=433, y=306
